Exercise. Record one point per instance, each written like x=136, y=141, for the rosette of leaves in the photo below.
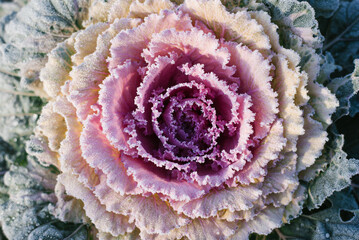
x=73, y=53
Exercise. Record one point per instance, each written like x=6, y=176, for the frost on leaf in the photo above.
x=19, y=109
x=34, y=31
x=204, y=122
x=298, y=17
x=26, y=201
x=338, y=218
x=354, y=101
x=345, y=89
x=336, y=176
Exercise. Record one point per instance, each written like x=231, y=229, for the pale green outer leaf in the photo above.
x=34, y=31
x=354, y=105
x=27, y=185
x=7, y=8
x=345, y=88
x=328, y=66
x=329, y=223
x=337, y=175
x=34, y=223
x=355, y=74
x=50, y=232
x=299, y=17
x=298, y=30
x=354, y=101
x=27, y=200
x=46, y=231
x=19, y=108
x=18, y=221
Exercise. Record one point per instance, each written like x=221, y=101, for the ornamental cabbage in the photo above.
x=196, y=119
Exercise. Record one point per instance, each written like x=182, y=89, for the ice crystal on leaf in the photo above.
x=181, y=119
